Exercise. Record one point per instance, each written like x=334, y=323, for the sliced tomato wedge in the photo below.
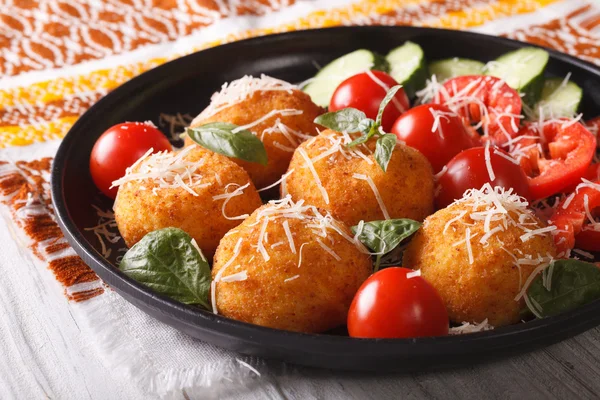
x=555, y=156
x=486, y=101
x=572, y=220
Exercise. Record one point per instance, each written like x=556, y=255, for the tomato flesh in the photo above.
x=484, y=99
x=468, y=170
x=118, y=148
x=435, y=131
x=365, y=91
x=571, y=220
x=568, y=149
x=391, y=304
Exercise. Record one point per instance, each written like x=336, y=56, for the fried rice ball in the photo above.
x=349, y=178
x=486, y=286
x=145, y=204
x=305, y=288
x=280, y=134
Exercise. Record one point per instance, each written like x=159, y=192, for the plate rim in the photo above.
x=576, y=320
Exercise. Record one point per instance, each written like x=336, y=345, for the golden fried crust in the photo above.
x=485, y=289
x=407, y=188
x=138, y=211
x=256, y=106
x=316, y=301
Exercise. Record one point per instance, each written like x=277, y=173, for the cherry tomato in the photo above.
x=487, y=100
x=391, y=304
x=571, y=220
x=118, y=148
x=365, y=91
x=435, y=131
x=468, y=170
x=568, y=149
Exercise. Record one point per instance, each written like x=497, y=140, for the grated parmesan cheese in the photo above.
x=237, y=91
x=312, y=169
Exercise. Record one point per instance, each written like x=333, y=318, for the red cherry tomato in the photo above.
x=118, y=148
x=391, y=305
x=484, y=99
x=568, y=150
x=572, y=220
x=435, y=131
x=468, y=170
x=365, y=91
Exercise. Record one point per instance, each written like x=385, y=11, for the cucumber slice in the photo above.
x=560, y=98
x=321, y=88
x=453, y=67
x=522, y=70
x=407, y=67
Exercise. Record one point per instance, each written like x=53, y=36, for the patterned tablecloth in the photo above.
x=58, y=57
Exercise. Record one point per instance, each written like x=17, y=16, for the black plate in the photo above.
x=185, y=86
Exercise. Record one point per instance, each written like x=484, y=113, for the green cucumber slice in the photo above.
x=522, y=70
x=407, y=67
x=322, y=86
x=560, y=98
x=453, y=67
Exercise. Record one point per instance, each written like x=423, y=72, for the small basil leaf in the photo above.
x=386, y=100
x=221, y=138
x=563, y=286
x=348, y=120
x=368, y=128
x=385, y=236
x=384, y=149
x=167, y=262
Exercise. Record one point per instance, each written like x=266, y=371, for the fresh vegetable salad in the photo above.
x=395, y=195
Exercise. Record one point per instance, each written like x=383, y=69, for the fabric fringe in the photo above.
x=123, y=352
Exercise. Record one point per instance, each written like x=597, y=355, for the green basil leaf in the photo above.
x=348, y=120
x=383, y=150
x=167, y=262
x=384, y=236
x=220, y=138
x=563, y=286
x=386, y=100
x=368, y=128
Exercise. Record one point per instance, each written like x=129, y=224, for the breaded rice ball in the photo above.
x=490, y=282
x=178, y=190
x=289, y=267
x=290, y=115
x=349, y=183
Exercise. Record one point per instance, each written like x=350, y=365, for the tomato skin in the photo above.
x=571, y=220
x=496, y=96
x=568, y=153
x=363, y=93
x=468, y=170
x=390, y=305
x=118, y=148
x=414, y=127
